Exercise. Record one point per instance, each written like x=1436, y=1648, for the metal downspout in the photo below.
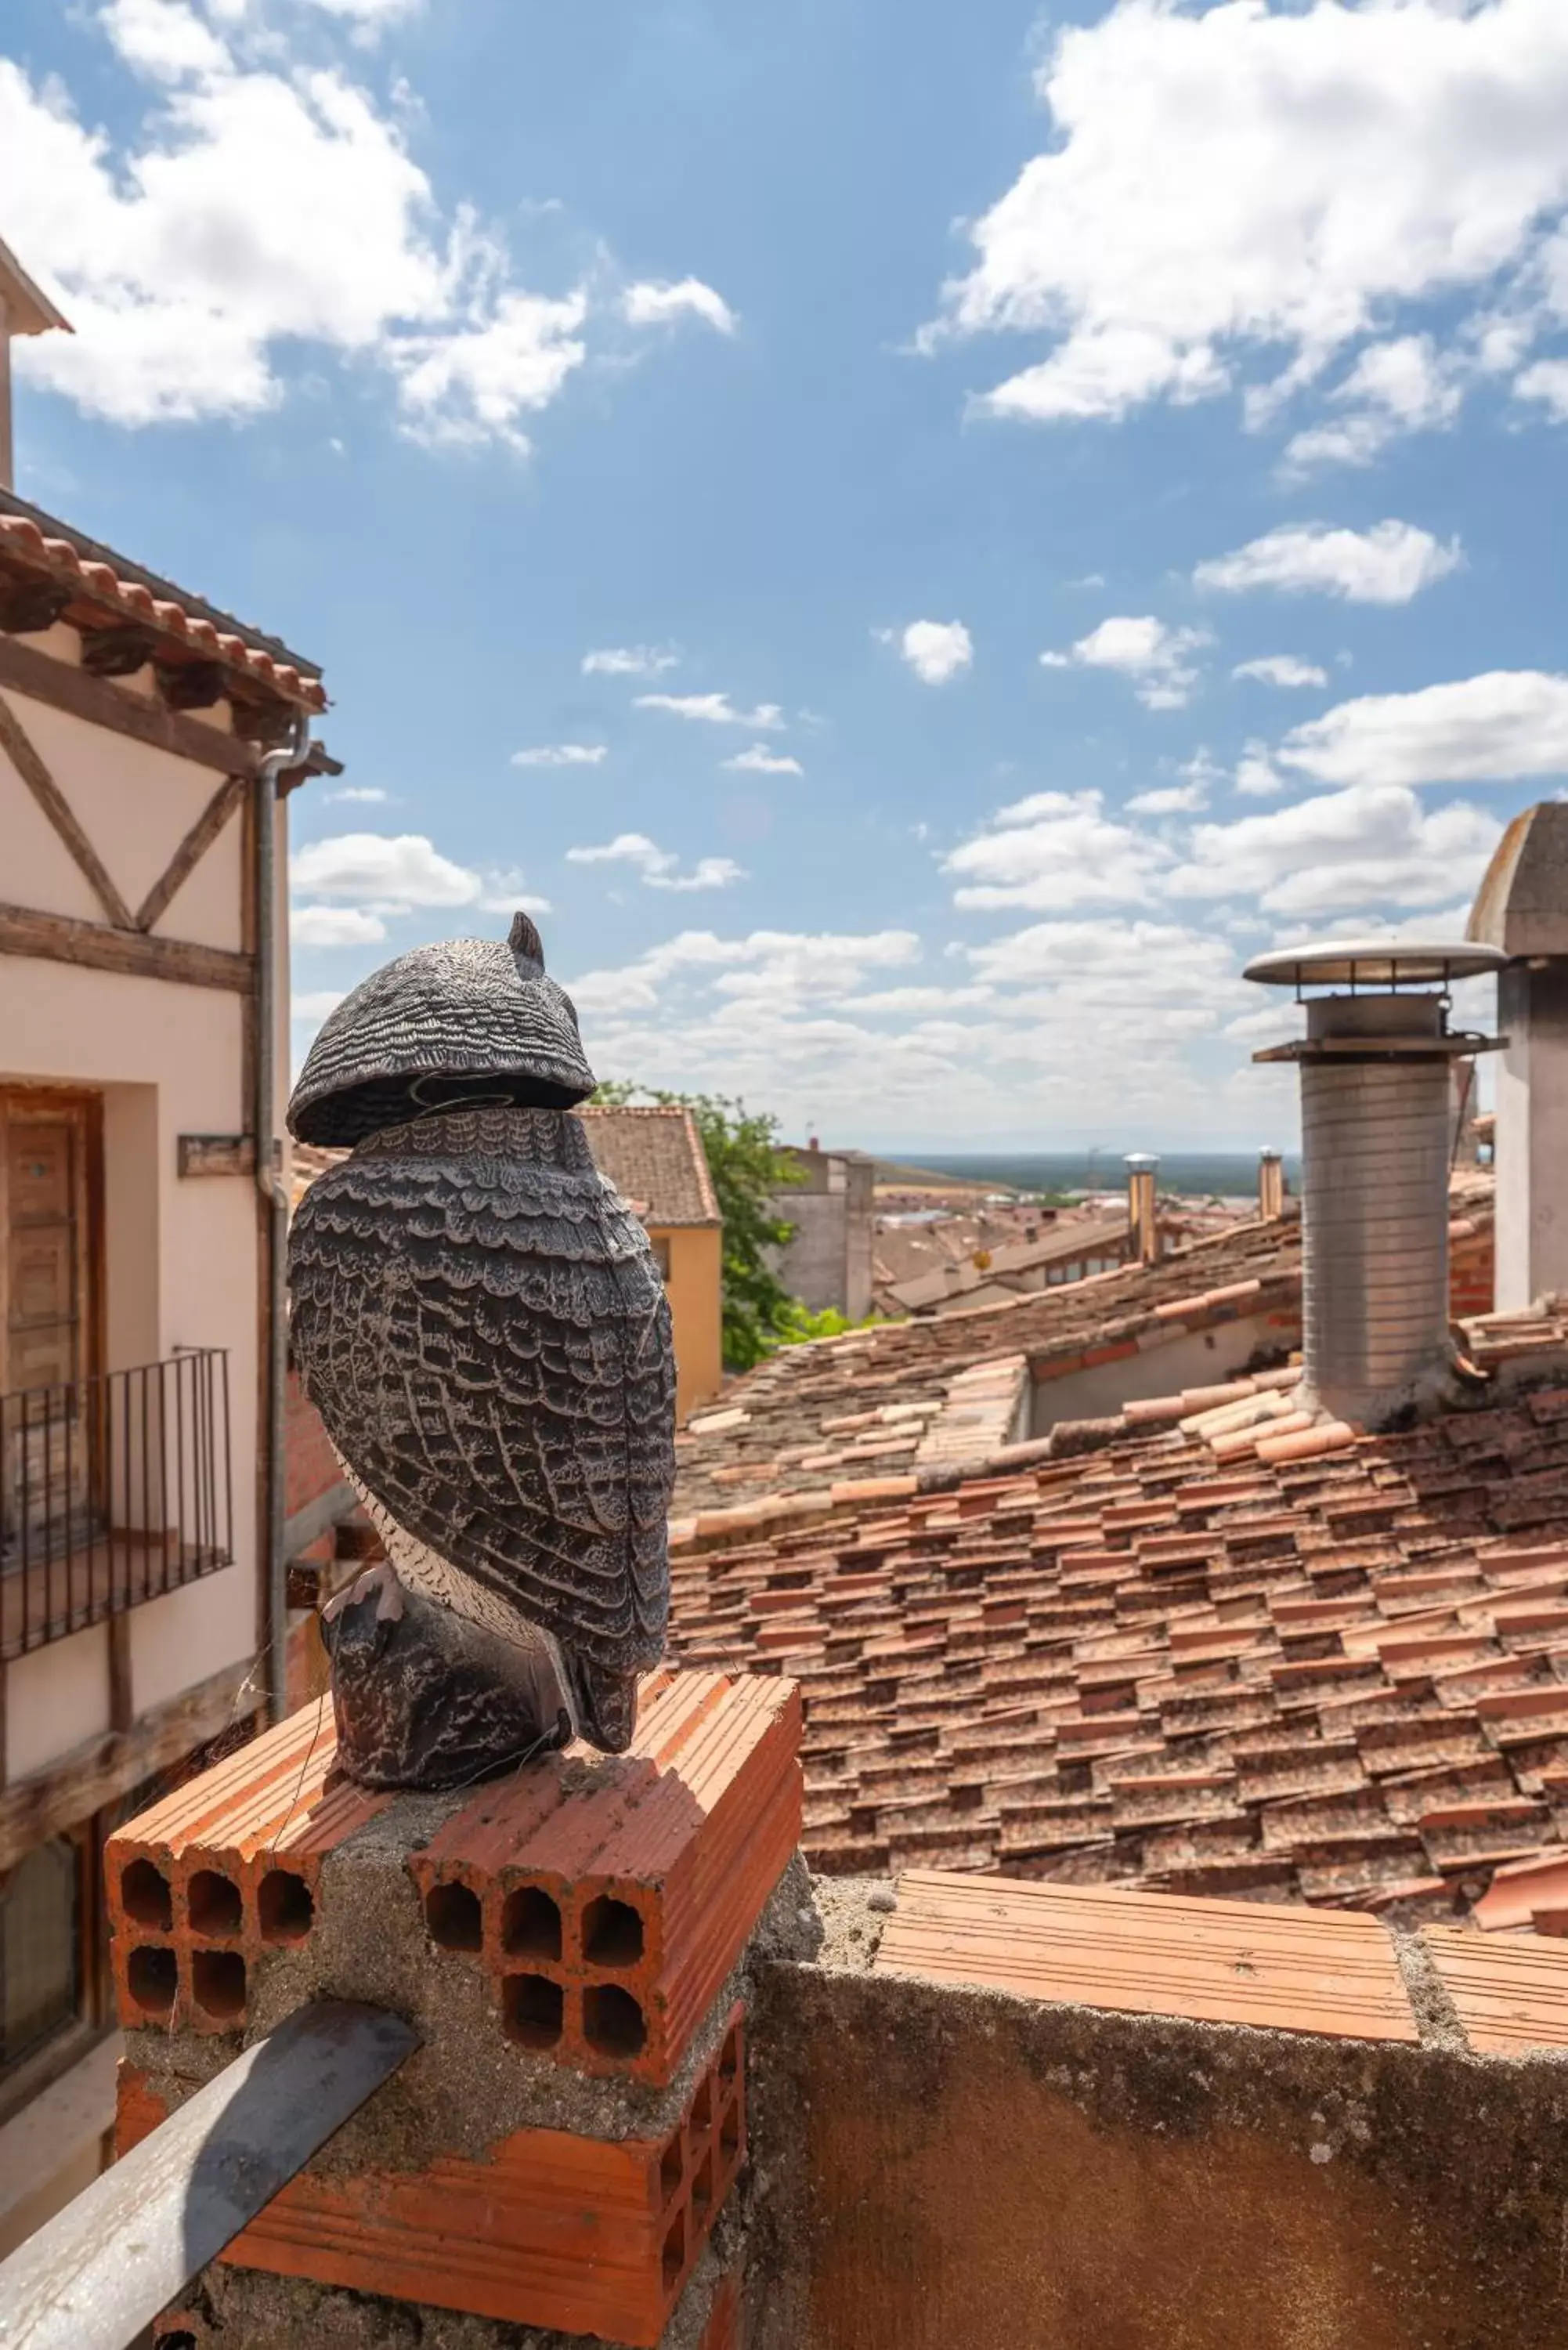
x=274, y=1192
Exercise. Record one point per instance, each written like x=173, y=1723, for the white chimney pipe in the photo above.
x=1375, y=1151
x=1142, y=1167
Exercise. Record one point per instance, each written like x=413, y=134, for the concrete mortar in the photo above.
x=466, y=2086
x=243, y=2309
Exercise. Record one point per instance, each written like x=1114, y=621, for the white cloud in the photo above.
x=1054, y=851
x=562, y=755
x=1373, y=846
x=1403, y=386
x=1498, y=728
x=367, y=795
x=714, y=709
x=335, y=926
x=472, y=384
x=937, y=650
x=314, y=1003
x=630, y=660
x=1257, y=778
x=658, y=304
x=1155, y=659
x=255, y=212
x=774, y=964
x=1168, y=799
x=1227, y=184
x=657, y=868
x=1388, y=564
x=391, y=869
x=759, y=761
x=1283, y=669
x=1109, y=959
x=1547, y=382
x=163, y=40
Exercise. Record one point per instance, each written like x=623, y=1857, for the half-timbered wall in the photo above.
x=171, y=1057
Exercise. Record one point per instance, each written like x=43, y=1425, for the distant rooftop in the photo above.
x=654, y=1157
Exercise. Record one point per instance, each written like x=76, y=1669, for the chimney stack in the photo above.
x=1376, y=1145
x=1270, y=1186
x=1141, y=1165
x=24, y=309
x=1521, y=909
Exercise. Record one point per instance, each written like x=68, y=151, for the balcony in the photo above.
x=113, y=1490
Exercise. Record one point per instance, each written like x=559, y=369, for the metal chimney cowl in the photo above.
x=1376, y=1140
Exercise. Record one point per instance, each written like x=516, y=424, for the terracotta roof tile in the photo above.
x=108, y=588
x=654, y=1157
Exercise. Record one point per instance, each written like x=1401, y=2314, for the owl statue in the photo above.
x=478, y=1319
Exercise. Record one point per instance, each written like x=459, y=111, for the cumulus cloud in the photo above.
x=1155, y=659
x=313, y=1004
x=1547, y=382
x=714, y=709
x=658, y=304
x=366, y=795
x=1283, y=669
x=1375, y=844
x=759, y=761
x=937, y=650
x=1257, y=778
x=402, y=868
x=335, y=926
x=1053, y=851
x=1388, y=564
x=656, y=867
x=1228, y=184
x=562, y=755
x=1134, y=961
x=1168, y=799
x=251, y=210
x=1394, y=388
x=1501, y=727
x=630, y=660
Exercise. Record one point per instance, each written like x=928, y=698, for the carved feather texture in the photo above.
x=478, y=1319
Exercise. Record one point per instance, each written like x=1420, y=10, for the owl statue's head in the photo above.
x=438, y=1027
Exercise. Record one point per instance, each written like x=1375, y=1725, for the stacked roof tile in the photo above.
x=1334, y=1671
x=862, y=1405
x=653, y=1155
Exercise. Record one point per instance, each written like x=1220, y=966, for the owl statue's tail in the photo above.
x=605, y=1703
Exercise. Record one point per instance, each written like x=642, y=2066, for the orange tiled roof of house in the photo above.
x=653, y=1155
x=1338, y=1674
x=107, y=589
x=886, y=1399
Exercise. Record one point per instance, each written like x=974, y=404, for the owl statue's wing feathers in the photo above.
x=502, y=1382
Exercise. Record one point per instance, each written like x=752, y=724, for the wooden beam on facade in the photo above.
x=28, y=670
x=56, y=938
x=101, y=1771
x=23, y=753
x=217, y=1154
x=192, y=849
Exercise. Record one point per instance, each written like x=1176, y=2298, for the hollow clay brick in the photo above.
x=224, y=1869
x=586, y=2235
x=628, y=1893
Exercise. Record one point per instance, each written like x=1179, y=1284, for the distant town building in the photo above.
x=827, y=1264
x=655, y=1159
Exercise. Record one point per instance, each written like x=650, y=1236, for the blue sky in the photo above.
x=1072, y=499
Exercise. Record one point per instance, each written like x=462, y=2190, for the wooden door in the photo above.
x=49, y=1292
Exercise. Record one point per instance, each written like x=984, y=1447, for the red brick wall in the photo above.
x=311, y=1467
x=1472, y=1275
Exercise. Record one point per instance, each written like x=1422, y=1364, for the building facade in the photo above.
x=654, y=1157
x=135, y=1247
x=827, y=1263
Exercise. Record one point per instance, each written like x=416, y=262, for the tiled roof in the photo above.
x=107, y=589
x=812, y=1416
x=654, y=1157
x=1337, y=1674
x=1101, y=1236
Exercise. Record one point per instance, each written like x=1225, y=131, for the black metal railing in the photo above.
x=113, y=1490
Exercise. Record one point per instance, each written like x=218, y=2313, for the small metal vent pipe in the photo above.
x=1376, y=1142
x=1142, y=1204
x=1270, y=1186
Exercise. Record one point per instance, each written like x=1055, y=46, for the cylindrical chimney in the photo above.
x=1270, y=1186
x=1376, y=1148
x=1142, y=1167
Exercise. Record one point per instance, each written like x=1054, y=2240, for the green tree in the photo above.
x=747, y=1167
